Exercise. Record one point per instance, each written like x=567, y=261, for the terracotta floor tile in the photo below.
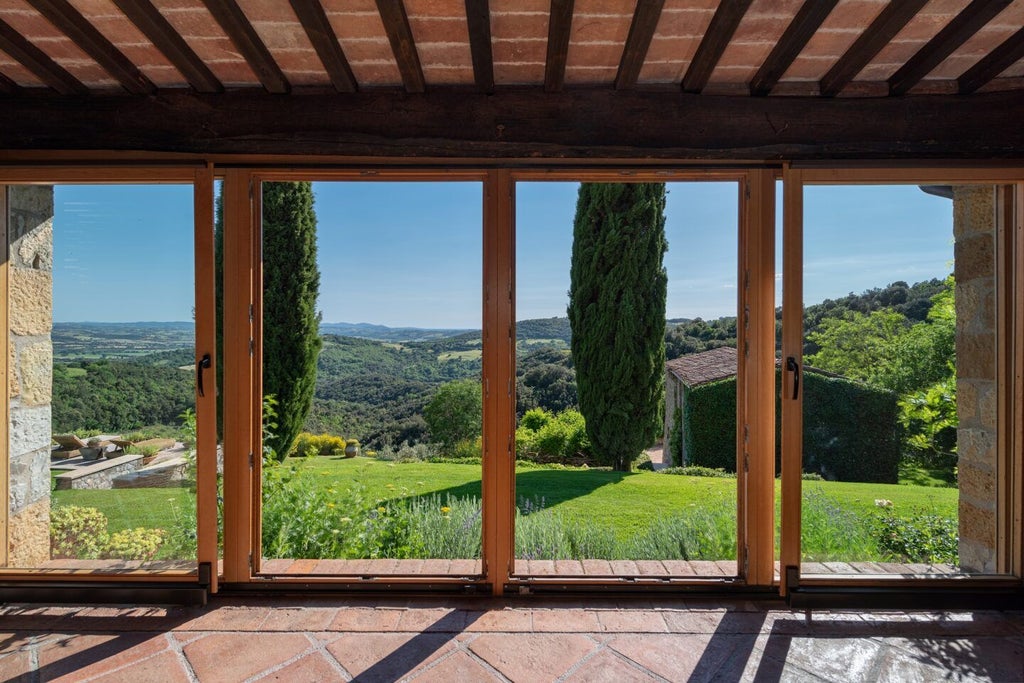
x=15, y=667
x=237, y=656
x=163, y=668
x=605, y=667
x=984, y=658
x=312, y=667
x=388, y=656
x=84, y=655
x=565, y=621
x=365, y=619
x=457, y=667
x=299, y=619
x=515, y=620
x=631, y=621
x=439, y=620
x=836, y=659
x=228, y=618
x=532, y=657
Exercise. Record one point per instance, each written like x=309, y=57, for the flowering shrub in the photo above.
x=134, y=544
x=77, y=533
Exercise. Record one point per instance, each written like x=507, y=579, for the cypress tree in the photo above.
x=291, y=324
x=616, y=311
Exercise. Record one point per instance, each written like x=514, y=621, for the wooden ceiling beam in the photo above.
x=321, y=34
x=165, y=38
x=598, y=123
x=804, y=25
x=641, y=31
x=993, y=64
x=884, y=28
x=76, y=27
x=238, y=29
x=396, y=24
x=952, y=36
x=38, y=62
x=723, y=25
x=559, y=30
x=478, y=17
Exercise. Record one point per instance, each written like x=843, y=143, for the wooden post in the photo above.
x=499, y=379
x=239, y=390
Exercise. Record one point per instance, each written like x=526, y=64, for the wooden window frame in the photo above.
x=200, y=177
x=1009, y=284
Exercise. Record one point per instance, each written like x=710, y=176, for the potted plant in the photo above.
x=351, y=448
x=93, y=450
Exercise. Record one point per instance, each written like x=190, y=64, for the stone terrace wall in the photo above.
x=974, y=220
x=30, y=301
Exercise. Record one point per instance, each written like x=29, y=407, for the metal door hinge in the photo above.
x=252, y=460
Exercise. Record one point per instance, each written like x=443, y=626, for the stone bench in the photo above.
x=100, y=475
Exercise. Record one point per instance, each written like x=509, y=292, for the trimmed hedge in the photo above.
x=850, y=428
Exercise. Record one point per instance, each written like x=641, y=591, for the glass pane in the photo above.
x=626, y=438
x=381, y=474
x=101, y=377
x=900, y=381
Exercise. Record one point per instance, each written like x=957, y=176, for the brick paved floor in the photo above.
x=464, y=640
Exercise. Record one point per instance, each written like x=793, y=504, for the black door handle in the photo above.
x=201, y=365
x=794, y=367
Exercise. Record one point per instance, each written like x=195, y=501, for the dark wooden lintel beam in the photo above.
x=953, y=35
x=884, y=28
x=804, y=25
x=993, y=64
x=321, y=34
x=8, y=86
x=559, y=30
x=238, y=29
x=478, y=18
x=66, y=18
x=38, y=62
x=641, y=31
x=727, y=18
x=396, y=24
x=165, y=38
x=523, y=123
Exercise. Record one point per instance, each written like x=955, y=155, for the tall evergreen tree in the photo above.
x=291, y=283
x=617, y=313
x=291, y=324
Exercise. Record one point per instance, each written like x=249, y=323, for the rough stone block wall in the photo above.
x=30, y=381
x=974, y=220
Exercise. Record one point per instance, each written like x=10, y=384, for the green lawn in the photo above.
x=625, y=502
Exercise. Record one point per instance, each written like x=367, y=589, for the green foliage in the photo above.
x=930, y=420
x=81, y=533
x=319, y=444
x=923, y=537
x=698, y=471
x=545, y=379
x=617, y=315
x=455, y=412
x=850, y=428
x=675, y=439
x=558, y=438
x=291, y=284
x=831, y=530
x=77, y=532
x=135, y=544
x=699, y=335
x=118, y=396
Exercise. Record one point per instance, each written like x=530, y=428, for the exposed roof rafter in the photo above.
x=396, y=24
x=716, y=39
x=641, y=31
x=884, y=28
x=478, y=17
x=237, y=27
x=804, y=25
x=38, y=62
x=154, y=26
x=321, y=34
x=953, y=35
x=993, y=64
x=66, y=18
x=559, y=30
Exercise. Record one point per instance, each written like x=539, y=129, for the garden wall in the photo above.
x=29, y=224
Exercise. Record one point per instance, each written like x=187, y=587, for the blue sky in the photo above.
x=409, y=253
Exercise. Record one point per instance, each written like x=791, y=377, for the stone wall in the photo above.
x=30, y=353
x=974, y=220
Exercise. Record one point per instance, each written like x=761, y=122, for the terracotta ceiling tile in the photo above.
x=367, y=50
x=518, y=73
x=459, y=75
x=436, y=8
x=349, y=25
x=17, y=73
x=661, y=72
x=600, y=75
x=208, y=40
x=510, y=26
x=374, y=74
x=445, y=54
x=502, y=6
x=1007, y=23
x=516, y=51
x=439, y=30
x=683, y=22
x=604, y=7
x=1014, y=71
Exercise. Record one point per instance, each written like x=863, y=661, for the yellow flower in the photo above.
x=345, y=520
x=330, y=505
x=445, y=510
x=389, y=486
x=382, y=510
